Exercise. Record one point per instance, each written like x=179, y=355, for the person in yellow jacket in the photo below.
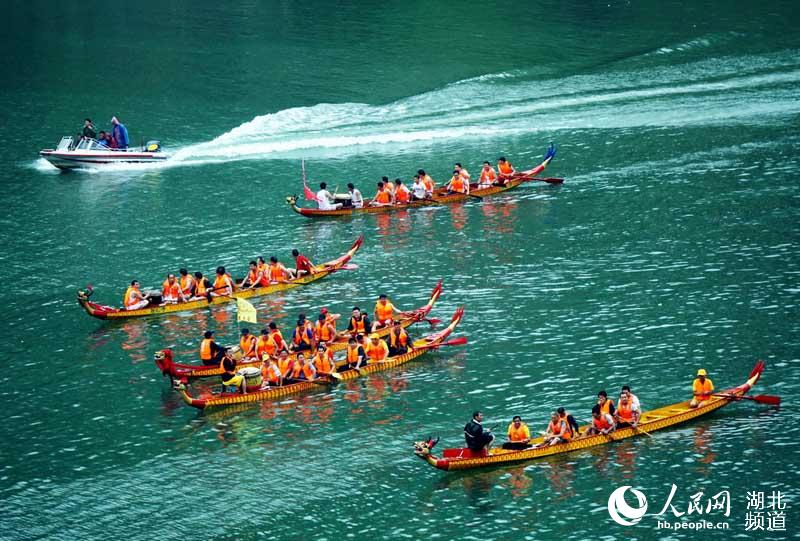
x=519, y=435
x=702, y=389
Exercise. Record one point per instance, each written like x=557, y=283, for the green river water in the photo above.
x=672, y=245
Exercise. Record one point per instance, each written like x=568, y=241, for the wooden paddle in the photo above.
x=460, y=341
x=642, y=430
x=549, y=180
x=760, y=398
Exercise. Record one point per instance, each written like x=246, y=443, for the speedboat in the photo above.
x=88, y=152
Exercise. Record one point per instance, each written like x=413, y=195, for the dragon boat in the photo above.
x=101, y=311
x=441, y=195
x=179, y=371
x=436, y=340
x=658, y=419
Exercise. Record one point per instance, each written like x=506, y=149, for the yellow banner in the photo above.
x=247, y=312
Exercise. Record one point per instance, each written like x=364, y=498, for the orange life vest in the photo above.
x=222, y=285
x=705, y=388
x=384, y=311
x=186, y=285
x=263, y=270
x=377, y=352
x=277, y=337
x=205, y=349
x=505, y=168
x=129, y=299
x=488, y=176
x=383, y=197
x=284, y=366
x=323, y=332
x=457, y=184
x=402, y=195
x=247, y=345
x=170, y=290
x=271, y=372
x=625, y=412
x=358, y=324
x=429, y=183
x=252, y=274
x=394, y=339
x=276, y=272
x=324, y=362
x=352, y=355
x=518, y=434
x=301, y=335
x=200, y=290
x=297, y=368
x=308, y=371
x=606, y=407
x=601, y=423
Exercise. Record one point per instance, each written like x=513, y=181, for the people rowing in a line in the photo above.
x=519, y=435
x=303, y=335
x=302, y=264
x=558, y=430
x=602, y=423
x=383, y=197
x=247, y=345
x=384, y=313
x=626, y=415
x=488, y=176
x=211, y=353
x=355, y=355
x=134, y=299
x=418, y=190
x=430, y=185
x=505, y=169
x=398, y=340
x=457, y=184
x=702, y=387
x=325, y=199
x=359, y=323
x=376, y=349
x=356, y=199
x=476, y=437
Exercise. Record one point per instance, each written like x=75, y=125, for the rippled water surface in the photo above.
x=671, y=246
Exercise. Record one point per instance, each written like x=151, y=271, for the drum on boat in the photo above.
x=252, y=376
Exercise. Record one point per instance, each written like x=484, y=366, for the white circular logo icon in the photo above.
x=621, y=512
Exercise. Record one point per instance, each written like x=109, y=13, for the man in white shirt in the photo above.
x=418, y=190
x=325, y=199
x=355, y=196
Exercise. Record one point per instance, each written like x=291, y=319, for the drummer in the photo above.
x=356, y=199
x=325, y=199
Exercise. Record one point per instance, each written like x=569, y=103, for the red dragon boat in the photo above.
x=179, y=371
x=440, y=196
x=102, y=311
x=651, y=421
x=436, y=340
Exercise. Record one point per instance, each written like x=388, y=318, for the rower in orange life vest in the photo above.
x=505, y=170
x=488, y=176
x=323, y=361
x=398, y=340
x=606, y=405
x=284, y=365
x=702, y=389
x=277, y=337
x=376, y=349
x=171, y=291
x=457, y=184
x=430, y=185
x=324, y=331
x=354, y=354
x=263, y=271
x=558, y=431
x=330, y=318
x=602, y=423
x=253, y=278
x=133, y=299
x=302, y=336
x=519, y=435
x=303, y=368
x=570, y=420
x=247, y=344
x=271, y=372
x=387, y=185
x=625, y=415
x=303, y=265
x=383, y=197
x=401, y=194
x=210, y=353
x=463, y=172
x=223, y=285
x=277, y=272
x=186, y=283
x=384, y=313
x=359, y=323
x=201, y=286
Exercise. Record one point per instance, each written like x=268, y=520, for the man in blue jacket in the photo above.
x=120, y=133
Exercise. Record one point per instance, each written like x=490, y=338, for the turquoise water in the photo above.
x=672, y=246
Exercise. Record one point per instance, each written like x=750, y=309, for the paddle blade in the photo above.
x=767, y=399
x=433, y=321
x=460, y=341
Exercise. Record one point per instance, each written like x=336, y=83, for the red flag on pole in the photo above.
x=311, y=196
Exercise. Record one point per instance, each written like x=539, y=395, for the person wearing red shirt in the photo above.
x=302, y=264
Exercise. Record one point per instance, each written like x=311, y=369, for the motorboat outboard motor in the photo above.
x=153, y=146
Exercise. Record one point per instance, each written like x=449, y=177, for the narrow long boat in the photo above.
x=101, y=311
x=651, y=421
x=419, y=347
x=440, y=196
x=177, y=371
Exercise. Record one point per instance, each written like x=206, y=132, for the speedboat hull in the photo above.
x=74, y=159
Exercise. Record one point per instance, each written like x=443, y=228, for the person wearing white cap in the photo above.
x=120, y=133
x=702, y=389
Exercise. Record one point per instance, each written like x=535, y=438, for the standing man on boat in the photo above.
x=702, y=389
x=120, y=133
x=325, y=200
x=88, y=129
x=302, y=264
x=519, y=435
x=506, y=170
x=134, y=300
x=356, y=198
x=476, y=437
